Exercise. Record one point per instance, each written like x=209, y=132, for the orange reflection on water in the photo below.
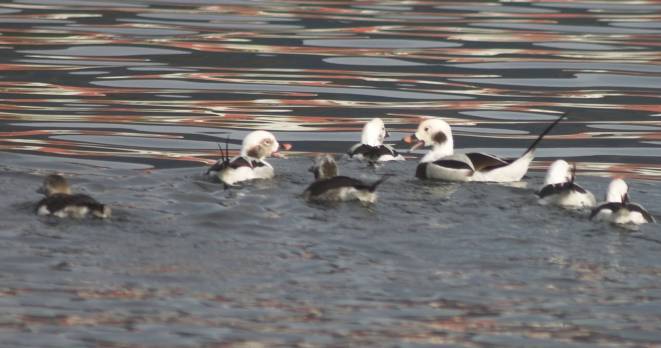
x=268, y=45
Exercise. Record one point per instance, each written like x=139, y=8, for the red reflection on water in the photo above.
x=301, y=112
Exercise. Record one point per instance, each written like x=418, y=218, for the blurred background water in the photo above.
x=130, y=99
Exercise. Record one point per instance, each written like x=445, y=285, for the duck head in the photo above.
x=261, y=144
x=559, y=172
x=374, y=132
x=324, y=167
x=54, y=184
x=618, y=191
x=432, y=132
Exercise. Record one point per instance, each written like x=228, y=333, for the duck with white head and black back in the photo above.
x=441, y=163
x=618, y=209
x=560, y=188
x=250, y=164
x=371, y=146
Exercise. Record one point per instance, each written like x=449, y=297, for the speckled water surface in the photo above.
x=130, y=99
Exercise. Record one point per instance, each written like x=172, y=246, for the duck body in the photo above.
x=72, y=205
x=474, y=167
x=60, y=202
x=242, y=169
x=377, y=153
x=621, y=213
x=560, y=189
x=341, y=188
x=568, y=195
x=331, y=187
x=250, y=164
x=371, y=147
x=441, y=163
x=618, y=209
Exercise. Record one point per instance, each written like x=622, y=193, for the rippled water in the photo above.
x=130, y=99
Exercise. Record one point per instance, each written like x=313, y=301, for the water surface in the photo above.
x=130, y=99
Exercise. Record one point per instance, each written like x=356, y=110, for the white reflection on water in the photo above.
x=578, y=80
x=371, y=61
x=379, y=43
x=105, y=51
x=257, y=87
x=587, y=29
x=566, y=65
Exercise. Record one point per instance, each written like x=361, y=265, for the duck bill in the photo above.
x=412, y=139
x=285, y=147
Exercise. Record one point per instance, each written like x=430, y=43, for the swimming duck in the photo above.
x=443, y=164
x=618, y=209
x=560, y=189
x=328, y=186
x=61, y=203
x=371, y=145
x=250, y=164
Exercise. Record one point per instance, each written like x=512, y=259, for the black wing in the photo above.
x=239, y=162
x=386, y=150
x=256, y=164
x=639, y=208
x=321, y=186
x=612, y=206
x=483, y=161
x=58, y=202
x=577, y=188
x=372, y=152
x=235, y=163
x=454, y=164
x=218, y=166
x=552, y=189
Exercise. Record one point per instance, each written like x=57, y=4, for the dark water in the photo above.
x=129, y=99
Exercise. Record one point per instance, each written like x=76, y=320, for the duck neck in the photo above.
x=614, y=196
x=439, y=151
x=368, y=139
x=556, y=177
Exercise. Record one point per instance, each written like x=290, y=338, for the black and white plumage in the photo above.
x=61, y=203
x=371, y=146
x=618, y=208
x=442, y=163
x=560, y=188
x=250, y=164
x=75, y=205
x=328, y=186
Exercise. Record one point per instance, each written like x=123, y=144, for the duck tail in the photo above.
x=532, y=147
x=224, y=160
x=372, y=187
x=101, y=211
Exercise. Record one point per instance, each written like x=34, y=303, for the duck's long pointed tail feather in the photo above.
x=518, y=168
x=544, y=133
x=372, y=187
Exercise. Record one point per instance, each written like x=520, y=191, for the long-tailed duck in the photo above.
x=443, y=164
x=371, y=145
x=250, y=164
x=618, y=209
x=328, y=186
x=61, y=203
x=560, y=189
